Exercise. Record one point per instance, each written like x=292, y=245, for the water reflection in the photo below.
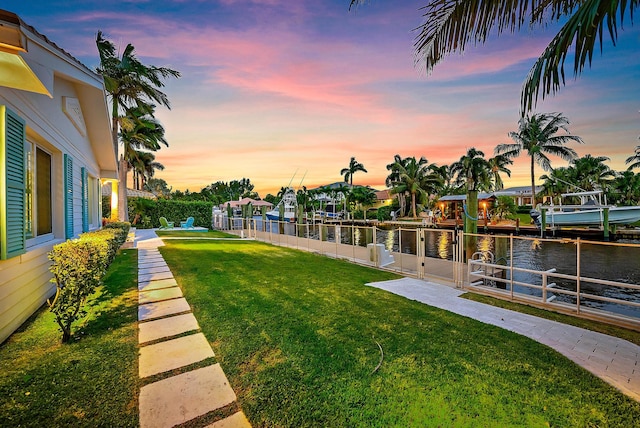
x=443, y=245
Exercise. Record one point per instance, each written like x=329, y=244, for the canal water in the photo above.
x=597, y=261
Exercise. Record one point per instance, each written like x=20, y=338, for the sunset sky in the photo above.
x=271, y=87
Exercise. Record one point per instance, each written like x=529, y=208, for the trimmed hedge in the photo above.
x=78, y=267
x=146, y=213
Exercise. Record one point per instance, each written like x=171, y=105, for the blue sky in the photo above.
x=269, y=87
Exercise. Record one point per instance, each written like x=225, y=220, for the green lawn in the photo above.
x=297, y=334
x=195, y=234
x=91, y=381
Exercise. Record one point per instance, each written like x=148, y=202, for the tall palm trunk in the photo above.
x=413, y=204
x=533, y=184
x=471, y=222
x=123, y=211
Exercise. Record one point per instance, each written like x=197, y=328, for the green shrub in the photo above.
x=146, y=214
x=78, y=267
x=106, y=207
x=384, y=213
x=505, y=208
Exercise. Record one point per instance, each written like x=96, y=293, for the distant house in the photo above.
x=56, y=151
x=256, y=204
x=521, y=195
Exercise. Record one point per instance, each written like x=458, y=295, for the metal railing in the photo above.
x=518, y=271
x=573, y=293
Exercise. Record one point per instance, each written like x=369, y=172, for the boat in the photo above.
x=590, y=211
x=287, y=205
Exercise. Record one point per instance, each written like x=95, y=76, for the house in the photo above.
x=257, y=205
x=56, y=151
x=520, y=195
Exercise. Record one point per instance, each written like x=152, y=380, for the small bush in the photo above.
x=384, y=213
x=78, y=267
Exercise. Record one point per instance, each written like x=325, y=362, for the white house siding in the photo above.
x=25, y=280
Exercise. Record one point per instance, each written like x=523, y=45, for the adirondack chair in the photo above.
x=187, y=224
x=164, y=224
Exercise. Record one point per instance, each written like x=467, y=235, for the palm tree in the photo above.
x=452, y=24
x=591, y=173
x=537, y=136
x=634, y=160
x=354, y=166
x=362, y=196
x=626, y=188
x=558, y=181
x=150, y=167
x=474, y=170
x=498, y=164
x=408, y=177
x=394, y=177
x=129, y=84
x=444, y=179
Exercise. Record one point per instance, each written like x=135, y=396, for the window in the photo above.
x=38, y=203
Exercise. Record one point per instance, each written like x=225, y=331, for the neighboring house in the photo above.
x=330, y=197
x=520, y=195
x=384, y=198
x=256, y=204
x=56, y=151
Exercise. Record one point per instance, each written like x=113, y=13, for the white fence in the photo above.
x=590, y=279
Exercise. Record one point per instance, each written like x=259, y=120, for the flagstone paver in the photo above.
x=160, y=309
x=237, y=420
x=180, y=398
x=166, y=327
x=154, y=276
x=163, y=314
x=154, y=285
x=173, y=354
x=153, y=269
x=606, y=357
x=151, y=263
x=159, y=295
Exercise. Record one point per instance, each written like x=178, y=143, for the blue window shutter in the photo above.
x=12, y=184
x=85, y=200
x=68, y=196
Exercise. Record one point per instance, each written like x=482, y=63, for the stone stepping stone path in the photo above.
x=170, y=341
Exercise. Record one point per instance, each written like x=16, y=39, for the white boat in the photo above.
x=590, y=212
x=289, y=204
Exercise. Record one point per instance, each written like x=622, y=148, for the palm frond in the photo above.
x=584, y=28
x=451, y=24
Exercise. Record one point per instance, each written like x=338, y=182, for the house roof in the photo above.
x=247, y=201
x=42, y=63
x=383, y=195
x=335, y=185
x=517, y=191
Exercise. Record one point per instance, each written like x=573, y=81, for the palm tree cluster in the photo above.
x=591, y=173
x=421, y=182
x=133, y=88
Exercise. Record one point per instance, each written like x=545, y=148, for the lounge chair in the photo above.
x=187, y=224
x=164, y=224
